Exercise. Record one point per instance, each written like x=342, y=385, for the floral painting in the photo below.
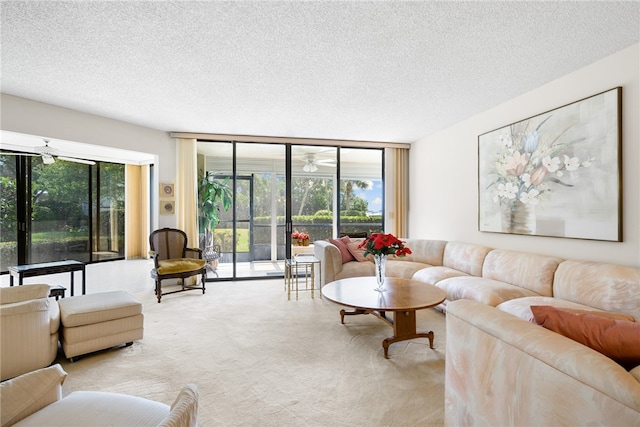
x=556, y=174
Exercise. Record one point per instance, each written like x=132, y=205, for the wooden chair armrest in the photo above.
x=196, y=251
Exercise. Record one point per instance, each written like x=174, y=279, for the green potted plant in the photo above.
x=213, y=194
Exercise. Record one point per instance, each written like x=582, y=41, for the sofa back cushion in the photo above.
x=609, y=287
x=424, y=251
x=465, y=257
x=531, y=271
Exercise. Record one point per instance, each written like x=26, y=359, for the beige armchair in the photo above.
x=35, y=399
x=29, y=322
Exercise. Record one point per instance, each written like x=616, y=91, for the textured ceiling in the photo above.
x=379, y=71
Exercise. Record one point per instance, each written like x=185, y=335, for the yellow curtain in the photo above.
x=187, y=190
x=397, y=191
x=136, y=180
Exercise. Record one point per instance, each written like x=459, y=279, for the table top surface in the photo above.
x=26, y=267
x=401, y=294
x=305, y=258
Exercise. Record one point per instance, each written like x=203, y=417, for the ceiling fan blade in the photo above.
x=18, y=154
x=72, y=159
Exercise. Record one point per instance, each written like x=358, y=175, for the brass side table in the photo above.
x=292, y=270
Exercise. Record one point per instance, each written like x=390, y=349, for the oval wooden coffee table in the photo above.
x=402, y=297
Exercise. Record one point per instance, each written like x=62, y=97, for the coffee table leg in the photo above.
x=352, y=313
x=404, y=328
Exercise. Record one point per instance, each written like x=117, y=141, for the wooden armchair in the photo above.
x=174, y=260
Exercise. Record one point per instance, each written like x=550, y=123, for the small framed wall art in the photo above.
x=556, y=174
x=167, y=207
x=167, y=190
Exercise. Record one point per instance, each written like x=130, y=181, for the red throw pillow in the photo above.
x=616, y=339
x=341, y=243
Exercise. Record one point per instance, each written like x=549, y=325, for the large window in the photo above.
x=58, y=211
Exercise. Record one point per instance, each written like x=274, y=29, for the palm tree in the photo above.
x=349, y=184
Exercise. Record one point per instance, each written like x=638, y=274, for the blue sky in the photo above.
x=373, y=195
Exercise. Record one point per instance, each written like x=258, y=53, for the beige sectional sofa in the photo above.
x=501, y=368
x=462, y=270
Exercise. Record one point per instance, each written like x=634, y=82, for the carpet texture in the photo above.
x=259, y=359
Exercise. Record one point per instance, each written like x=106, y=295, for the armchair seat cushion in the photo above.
x=180, y=265
x=96, y=408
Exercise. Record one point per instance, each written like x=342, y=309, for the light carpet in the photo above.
x=259, y=359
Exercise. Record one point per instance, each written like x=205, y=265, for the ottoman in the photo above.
x=98, y=321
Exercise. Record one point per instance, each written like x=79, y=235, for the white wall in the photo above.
x=36, y=118
x=443, y=196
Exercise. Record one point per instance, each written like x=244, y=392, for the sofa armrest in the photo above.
x=26, y=336
x=545, y=378
x=330, y=259
x=184, y=410
x=30, y=392
x=11, y=294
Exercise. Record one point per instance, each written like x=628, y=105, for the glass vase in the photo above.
x=380, y=264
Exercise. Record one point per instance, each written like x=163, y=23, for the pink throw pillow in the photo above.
x=341, y=244
x=617, y=339
x=605, y=314
x=358, y=254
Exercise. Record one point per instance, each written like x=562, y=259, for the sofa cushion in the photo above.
x=425, y=251
x=434, y=274
x=95, y=408
x=521, y=307
x=532, y=271
x=465, y=257
x=486, y=291
x=356, y=269
x=616, y=339
x=341, y=244
x=397, y=267
x=609, y=287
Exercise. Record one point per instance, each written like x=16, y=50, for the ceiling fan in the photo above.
x=311, y=162
x=47, y=153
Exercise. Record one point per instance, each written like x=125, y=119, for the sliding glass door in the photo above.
x=280, y=191
x=313, y=185
x=260, y=208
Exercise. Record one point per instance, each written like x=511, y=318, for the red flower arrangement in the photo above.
x=296, y=235
x=384, y=244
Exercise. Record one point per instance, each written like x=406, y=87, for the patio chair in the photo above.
x=174, y=260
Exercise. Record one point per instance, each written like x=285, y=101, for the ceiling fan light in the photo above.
x=47, y=159
x=309, y=166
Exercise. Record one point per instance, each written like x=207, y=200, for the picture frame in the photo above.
x=167, y=190
x=556, y=174
x=167, y=207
